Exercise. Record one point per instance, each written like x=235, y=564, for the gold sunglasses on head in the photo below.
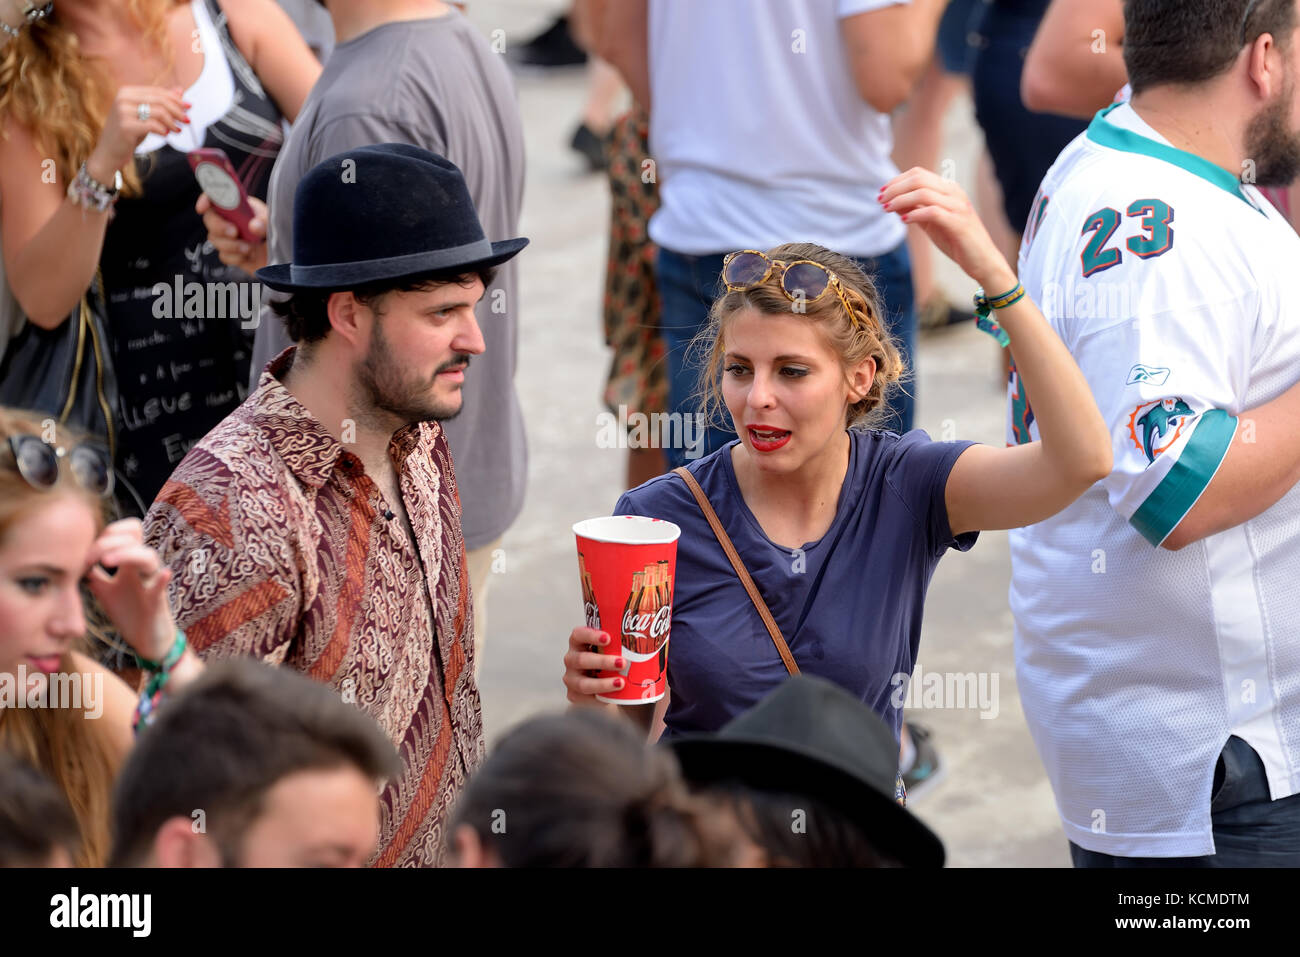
x=802, y=281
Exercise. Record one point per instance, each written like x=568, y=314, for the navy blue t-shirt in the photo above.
x=848, y=605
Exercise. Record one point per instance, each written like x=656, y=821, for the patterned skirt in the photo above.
x=638, y=374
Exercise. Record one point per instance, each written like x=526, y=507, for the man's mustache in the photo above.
x=460, y=362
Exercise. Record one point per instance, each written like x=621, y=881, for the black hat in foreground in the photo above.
x=812, y=737
x=383, y=212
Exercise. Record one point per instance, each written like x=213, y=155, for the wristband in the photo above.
x=169, y=660
x=161, y=671
x=1007, y=299
x=984, y=306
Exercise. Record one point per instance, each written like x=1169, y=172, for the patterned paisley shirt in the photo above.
x=279, y=549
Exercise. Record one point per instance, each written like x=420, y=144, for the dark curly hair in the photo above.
x=306, y=314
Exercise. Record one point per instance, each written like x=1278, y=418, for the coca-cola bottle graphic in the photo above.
x=646, y=618
x=632, y=614
x=651, y=602
x=590, y=610
x=665, y=583
x=666, y=605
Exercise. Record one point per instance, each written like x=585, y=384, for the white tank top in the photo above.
x=211, y=95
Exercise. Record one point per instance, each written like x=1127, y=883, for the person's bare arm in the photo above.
x=275, y=50
x=619, y=33
x=1262, y=465
x=1076, y=64
x=52, y=245
x=995, y=488
x=40, y=227
x=889, y=49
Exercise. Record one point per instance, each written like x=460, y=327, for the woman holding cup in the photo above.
x=839, y=526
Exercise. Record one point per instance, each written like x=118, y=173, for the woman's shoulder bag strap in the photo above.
x=740, y=568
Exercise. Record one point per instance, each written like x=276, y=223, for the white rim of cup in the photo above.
x=628, y=530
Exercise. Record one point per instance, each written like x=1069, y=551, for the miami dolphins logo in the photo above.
x=1155, y=426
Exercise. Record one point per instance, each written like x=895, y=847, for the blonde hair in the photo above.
x=853, y=338
x=60, y=742
x=49, y=87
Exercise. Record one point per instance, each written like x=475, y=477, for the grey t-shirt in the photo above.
x=436, y=84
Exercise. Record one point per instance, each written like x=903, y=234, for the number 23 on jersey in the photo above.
x=1155, y=238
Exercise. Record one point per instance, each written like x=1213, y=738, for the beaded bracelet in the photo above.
x=160, y=672
x=984, y=306
x=85, y=190
x=31, y=13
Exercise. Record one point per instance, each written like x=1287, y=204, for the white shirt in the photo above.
x=758, y=132
x=210, y=96
x=1177, y=291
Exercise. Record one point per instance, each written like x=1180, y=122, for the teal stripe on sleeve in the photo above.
x=1174, y=497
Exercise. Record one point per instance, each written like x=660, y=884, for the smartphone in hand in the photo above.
x=220, y=184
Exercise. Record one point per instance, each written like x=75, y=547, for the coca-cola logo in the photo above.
x=592, y=611
x=663, y=617
x=656, y=625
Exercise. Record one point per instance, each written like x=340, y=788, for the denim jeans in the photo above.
x=1249, y=829
x=688, y=285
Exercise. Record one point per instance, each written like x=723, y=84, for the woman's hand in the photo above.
x=581, y=660
x=224, y=235
x=124, y=130
x=135, y=598
x=941, y=208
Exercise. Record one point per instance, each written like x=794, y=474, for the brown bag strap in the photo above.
x=740, y=568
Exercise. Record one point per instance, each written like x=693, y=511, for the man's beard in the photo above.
x=386, y=388
x=1273, y=146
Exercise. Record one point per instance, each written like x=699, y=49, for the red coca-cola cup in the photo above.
x=626, y=565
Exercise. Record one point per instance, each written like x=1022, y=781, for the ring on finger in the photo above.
x=143, y=112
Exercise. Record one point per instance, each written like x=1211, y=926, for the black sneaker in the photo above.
x=552, y=47
x=926, y=770
x=592, y=147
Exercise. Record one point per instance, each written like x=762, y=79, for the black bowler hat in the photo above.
x=812, y=737
x=383, y=212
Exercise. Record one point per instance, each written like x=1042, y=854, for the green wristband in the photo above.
x=169, y=662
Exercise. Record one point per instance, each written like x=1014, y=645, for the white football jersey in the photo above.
x=1177, y=290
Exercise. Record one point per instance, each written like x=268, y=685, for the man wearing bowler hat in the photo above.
x=318, y=526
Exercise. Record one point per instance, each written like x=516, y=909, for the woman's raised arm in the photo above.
x=991, y=488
